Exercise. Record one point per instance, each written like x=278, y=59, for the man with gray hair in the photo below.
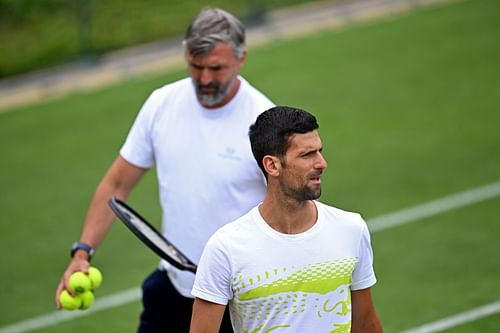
x=193, y=131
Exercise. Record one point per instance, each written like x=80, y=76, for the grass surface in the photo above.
x=408, y=111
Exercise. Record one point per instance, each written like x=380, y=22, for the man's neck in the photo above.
x=290, y=216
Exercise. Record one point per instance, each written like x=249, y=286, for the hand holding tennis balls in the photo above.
x=84, y=285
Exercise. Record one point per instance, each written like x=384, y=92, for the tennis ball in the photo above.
x=69, y=302
x=95, y=276
x=80, y=282
x=87, y=299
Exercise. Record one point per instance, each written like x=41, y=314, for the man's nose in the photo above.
x=321, y=162
x=206, y=76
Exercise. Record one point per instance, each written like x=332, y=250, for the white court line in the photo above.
x=380, y=223
x=458, y=319
x=434, y=207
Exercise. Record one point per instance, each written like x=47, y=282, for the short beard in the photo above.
x=221, y=91
x=300, y=194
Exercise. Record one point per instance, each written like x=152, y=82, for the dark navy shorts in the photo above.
x=165, y=310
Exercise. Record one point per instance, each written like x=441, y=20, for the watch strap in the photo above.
x=82, y=246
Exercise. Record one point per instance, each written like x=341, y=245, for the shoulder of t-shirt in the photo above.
x=223, y=238
x=256, y=95
x=239, y=225
x=342, y=215
x=158, y=97
x=171, y=88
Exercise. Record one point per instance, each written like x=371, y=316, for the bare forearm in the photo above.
x=100, y=217
x=119, y=181
x=206, y=317
x=364, y=316
x=371, y=324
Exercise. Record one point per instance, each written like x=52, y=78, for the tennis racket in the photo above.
x=150, y=236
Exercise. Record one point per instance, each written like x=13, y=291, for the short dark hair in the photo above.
x=270, y=133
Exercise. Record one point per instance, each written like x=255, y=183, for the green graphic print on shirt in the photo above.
x=275, y=301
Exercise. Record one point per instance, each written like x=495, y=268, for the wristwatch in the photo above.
x=82, y=246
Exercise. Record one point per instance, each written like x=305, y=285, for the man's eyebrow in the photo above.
x=310, y=150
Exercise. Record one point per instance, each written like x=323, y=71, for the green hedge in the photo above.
x=42, y=33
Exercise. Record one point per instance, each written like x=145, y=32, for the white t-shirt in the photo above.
x=206, y=171
x=300, y=283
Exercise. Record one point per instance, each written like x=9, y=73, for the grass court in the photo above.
x=408, y=108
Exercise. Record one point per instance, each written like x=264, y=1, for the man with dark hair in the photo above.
x=193, y=131
x=291, y=263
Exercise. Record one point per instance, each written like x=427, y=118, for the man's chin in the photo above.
x=210, y=100
x=314, y=194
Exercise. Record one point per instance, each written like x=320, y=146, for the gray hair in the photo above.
x=211, y=26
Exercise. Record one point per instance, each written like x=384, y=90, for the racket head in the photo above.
x=148, y=234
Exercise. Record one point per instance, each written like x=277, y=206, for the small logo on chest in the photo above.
x=230, y=153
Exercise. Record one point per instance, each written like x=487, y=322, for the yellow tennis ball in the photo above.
x=69, y=302
x=80, y=282
x=87, y=299
x=95, y=276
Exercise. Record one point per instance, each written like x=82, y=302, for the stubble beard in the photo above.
x=301, y=194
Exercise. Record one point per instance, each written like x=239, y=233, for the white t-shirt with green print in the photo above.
x=287, y=283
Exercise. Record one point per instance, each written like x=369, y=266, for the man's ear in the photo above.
x=242, y=58
x=272, y=165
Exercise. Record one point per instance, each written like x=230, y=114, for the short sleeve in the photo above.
x=213, y=276
x=138, y=148
x=364, y=275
